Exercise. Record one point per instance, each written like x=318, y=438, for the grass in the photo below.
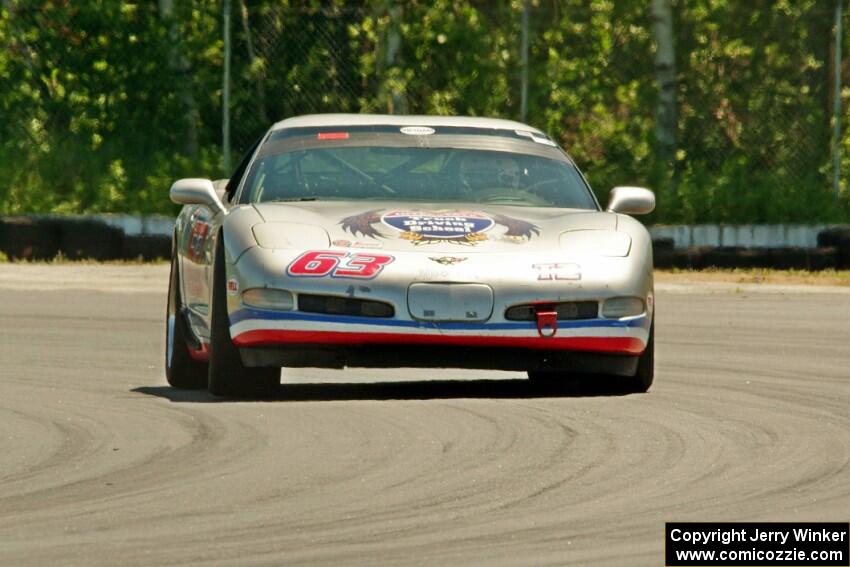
x=61, y=259
x=756, y=276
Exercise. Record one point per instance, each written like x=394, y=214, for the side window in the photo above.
x=236, y=177
x=271, y=178
x=256, y=182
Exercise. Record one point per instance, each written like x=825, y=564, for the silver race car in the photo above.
x=407, y=241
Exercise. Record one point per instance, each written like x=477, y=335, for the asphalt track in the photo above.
x=102, y=463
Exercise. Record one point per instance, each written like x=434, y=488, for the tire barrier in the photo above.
x=838, y=238
x=778, y=258
x=89, y=239
x=27, y=238
x=146, y=247
x=45, y=238
x=832, y=252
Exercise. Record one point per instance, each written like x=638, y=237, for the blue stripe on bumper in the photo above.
x=249, y=313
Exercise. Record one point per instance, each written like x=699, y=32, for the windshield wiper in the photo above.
x=293, y=200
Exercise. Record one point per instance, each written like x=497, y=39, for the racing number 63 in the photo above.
x=314, y=263
x=319, y=263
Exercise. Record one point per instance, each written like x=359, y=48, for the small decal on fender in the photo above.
x=556, y=271
x=447, y=260
x=342, y=243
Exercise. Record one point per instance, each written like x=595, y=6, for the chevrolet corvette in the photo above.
x=407, y=241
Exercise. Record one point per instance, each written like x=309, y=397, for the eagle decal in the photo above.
x=363, y=223
x=429, y=227
x=517, y=228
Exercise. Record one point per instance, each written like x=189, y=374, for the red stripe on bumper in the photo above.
x=613, y=345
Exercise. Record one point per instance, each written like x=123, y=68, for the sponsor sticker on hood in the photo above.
x=428, y=227
x=441, y=225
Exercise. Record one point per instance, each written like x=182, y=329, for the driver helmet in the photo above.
x=489, y=170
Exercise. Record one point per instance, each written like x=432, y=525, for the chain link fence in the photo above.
x=105, y=103
x=753, y=99
x=294, y=60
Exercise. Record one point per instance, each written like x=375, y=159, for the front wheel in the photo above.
x=642, y=380
x=639, y=383
x=181, y=370
x=228, y=376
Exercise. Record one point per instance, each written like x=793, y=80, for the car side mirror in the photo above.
x=196, y=192
x=220, y=186
x=631, y=200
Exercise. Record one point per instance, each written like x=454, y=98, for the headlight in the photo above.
x=290, y=235
x=618, y=307
x=268, y=298
x=596, y=242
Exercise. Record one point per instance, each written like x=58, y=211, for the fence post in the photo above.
x=179, y=65
x=836, y=104
x=398, y=99
x=665, y=76
x=225, y=90
x=523, y=112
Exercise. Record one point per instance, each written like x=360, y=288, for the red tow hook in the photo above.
x=547, y=320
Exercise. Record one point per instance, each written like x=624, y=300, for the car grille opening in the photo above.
x=567, y=311
x=333, y=305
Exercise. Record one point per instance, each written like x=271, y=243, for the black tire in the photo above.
x=561, y=382
x=639, y=383
x=642, y=380
x=181, y=370
x=228, y=376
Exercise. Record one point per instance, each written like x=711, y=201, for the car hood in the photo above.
x=432, y=227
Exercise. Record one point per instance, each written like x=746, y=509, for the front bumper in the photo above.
x=438, y=356
x=301, y=338
x=295, y=331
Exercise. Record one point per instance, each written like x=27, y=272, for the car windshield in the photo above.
x=447, y=165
